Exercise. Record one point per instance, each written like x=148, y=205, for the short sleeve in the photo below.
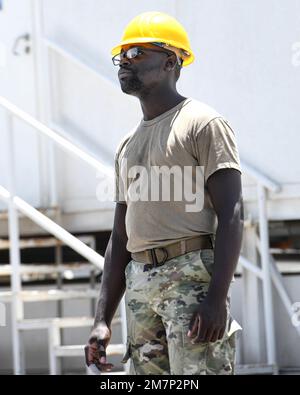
x=119, y=186
x=216, y=147
x=119, y=194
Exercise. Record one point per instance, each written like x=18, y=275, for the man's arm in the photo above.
x=115, y=261
x=209, y=321
x=112, y=289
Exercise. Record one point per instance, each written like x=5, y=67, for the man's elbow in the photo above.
x=233, y=215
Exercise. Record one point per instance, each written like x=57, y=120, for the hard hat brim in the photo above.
x=140, y=40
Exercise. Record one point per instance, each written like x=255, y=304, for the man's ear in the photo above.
x=171, y=62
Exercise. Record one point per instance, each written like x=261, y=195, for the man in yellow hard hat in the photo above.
x=175, y=259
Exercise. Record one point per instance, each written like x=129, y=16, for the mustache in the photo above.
x=126, y=69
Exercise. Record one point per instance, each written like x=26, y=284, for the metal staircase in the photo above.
x=56, y=271
x=18, y=271
x=261, y=273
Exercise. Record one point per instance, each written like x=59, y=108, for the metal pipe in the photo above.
x=249, y=266
x=61, y=141
x=53, y=228
x=260, y=178
x=44, y=105
x=14, y=250
x=267, y=285
x=277, y=281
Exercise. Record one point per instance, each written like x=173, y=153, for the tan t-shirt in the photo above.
x=188, y=136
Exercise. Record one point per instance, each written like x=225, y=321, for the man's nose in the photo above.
x=124, y=61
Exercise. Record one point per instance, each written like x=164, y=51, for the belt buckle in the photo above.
x=155, y=263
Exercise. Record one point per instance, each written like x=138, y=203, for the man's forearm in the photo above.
x=227, y=250
x=113, y=280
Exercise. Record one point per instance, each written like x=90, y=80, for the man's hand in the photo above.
x=208, y=322
x=95, y=350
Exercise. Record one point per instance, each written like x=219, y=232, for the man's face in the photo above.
x=139, y=75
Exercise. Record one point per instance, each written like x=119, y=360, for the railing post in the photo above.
x=44, y=106
x=14, y=249
x=251, y=339
x=267, y=284
x=54, y=340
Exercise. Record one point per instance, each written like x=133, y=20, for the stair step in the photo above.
x=284, y=267
x=42, y=242
x=63, y=322
x=78, y=350
x=74, y=267
x=252, y=369
x=285, y=251
x=45, y=323
x=48, y=211
x=50, y=295
x=35, y=242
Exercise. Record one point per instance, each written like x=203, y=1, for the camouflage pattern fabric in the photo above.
x=159, y=305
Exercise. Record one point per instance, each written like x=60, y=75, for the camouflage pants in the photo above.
x=159, y=305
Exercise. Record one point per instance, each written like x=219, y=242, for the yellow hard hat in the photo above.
x=160, y=28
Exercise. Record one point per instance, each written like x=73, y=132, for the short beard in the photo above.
x=134, y=86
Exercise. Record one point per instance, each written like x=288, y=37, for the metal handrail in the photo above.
x=260, y=178
x=53, y=228
x=15, y=203
x=58, y=139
